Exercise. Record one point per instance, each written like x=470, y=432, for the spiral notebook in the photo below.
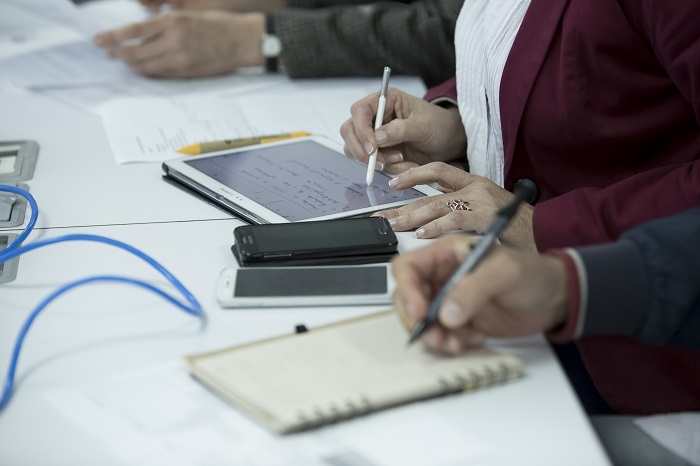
x=351, y=368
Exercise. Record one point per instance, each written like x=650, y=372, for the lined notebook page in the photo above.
x=342, y=370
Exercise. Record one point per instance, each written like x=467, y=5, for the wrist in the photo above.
x=458, y=137
x=270, y=45
x=245, y=33
x=263, y=6
x=560, y=304
x=567, y=296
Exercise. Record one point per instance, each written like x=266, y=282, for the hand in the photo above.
x=229, y=5
x=509, y=294
x=186, y=44
x=432, y=216
x=415, y=132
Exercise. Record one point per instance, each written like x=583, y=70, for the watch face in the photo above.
x=271, y=46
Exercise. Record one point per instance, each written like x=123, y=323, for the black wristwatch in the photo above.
x=270, y=45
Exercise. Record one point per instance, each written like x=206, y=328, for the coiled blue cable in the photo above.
x=15, y=249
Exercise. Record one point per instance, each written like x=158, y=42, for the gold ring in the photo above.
x=458, y=204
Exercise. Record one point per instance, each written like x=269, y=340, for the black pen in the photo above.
x=503, y=217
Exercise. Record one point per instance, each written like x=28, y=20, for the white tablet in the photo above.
x=293, y=180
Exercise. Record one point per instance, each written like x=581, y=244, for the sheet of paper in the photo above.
x=318, y=111
x=152, y=129
x=72, y=64
x=65, y=63
x=21, y=31
x=108, y=14
x=679, y=433
x=163, y=416
x=60, y=12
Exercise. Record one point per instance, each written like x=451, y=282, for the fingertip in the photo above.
x=389, y=214
x=433, y=338
x=103, y=39
x=393, y=157
x=452, y=315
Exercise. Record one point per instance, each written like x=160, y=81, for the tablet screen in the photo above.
x=302, y=180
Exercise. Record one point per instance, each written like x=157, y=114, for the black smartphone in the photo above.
x=342, y=241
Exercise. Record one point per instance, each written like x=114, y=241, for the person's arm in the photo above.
x=643, y=286
x=588, y=216
x=324, y=3
x=187, y=44
x=240, y=6
x=646, y=285
x=593, y=216
x=444, y=92
x=415, y=38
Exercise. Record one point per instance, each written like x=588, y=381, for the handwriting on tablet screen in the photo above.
x=301, y=180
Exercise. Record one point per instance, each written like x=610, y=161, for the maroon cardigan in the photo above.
x=600, y=106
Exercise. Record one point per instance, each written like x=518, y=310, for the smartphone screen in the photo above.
x=315, y=239
x=331, y=281
x=307, y=286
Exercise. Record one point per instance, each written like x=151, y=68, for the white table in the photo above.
x=111, y=330
x=102, y=330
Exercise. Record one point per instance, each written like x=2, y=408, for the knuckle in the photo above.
x=455, y=220
x=345, y=128
x=398, y=130
x=437, y=207
x=360, y=106
x=440, y=167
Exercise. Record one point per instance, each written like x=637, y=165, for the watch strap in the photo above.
x=271, y=62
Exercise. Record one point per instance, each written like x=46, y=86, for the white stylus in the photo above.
x=377, y=123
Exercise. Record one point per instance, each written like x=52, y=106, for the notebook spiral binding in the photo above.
x=476, y=379
x=334, y=413
x=458, y=382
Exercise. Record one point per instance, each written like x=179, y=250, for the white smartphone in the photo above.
x=306, y=286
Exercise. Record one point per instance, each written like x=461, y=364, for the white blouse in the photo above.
x=484, y=35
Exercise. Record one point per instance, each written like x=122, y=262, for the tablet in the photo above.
x=299, y=179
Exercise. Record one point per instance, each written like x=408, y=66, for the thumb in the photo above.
x=396, y=132
x=473, y=293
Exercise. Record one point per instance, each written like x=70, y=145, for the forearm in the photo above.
x=644, y=286
x=360, y=41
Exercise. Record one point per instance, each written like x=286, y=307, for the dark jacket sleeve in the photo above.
x=647, y=284
x=415, y=38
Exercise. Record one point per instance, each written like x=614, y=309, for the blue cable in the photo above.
x=15, y=249
x=32, y=218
